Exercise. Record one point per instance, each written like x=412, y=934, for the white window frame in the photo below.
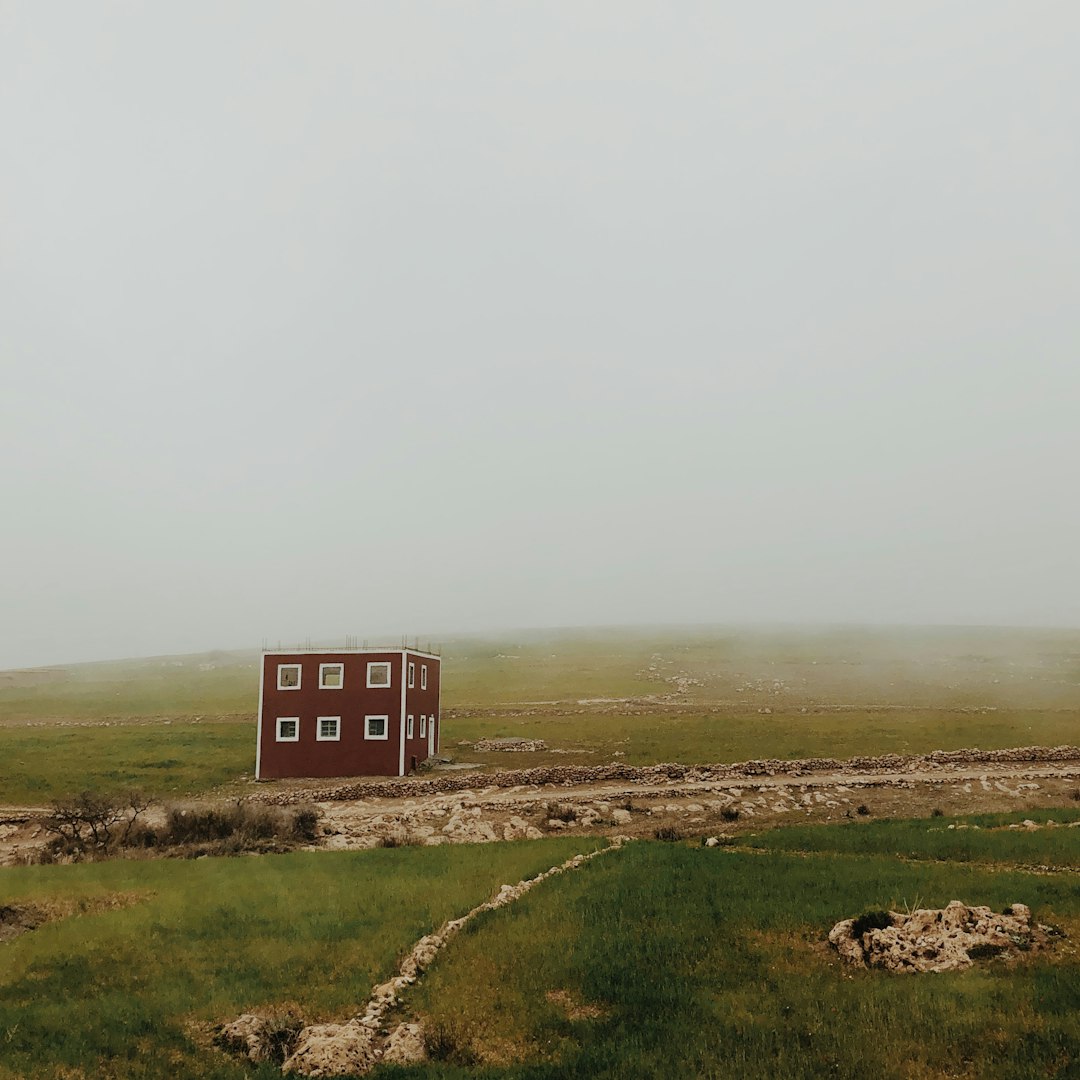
x=423, y=726
x=287, y=720
x=412, y=674
x=320, y=737
x=409, y=727
x=423, y=676
x=341, y=682
x=386, y=727
x=299, y=676
x=389, y=675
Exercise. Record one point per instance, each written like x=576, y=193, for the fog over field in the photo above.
x=429, y=319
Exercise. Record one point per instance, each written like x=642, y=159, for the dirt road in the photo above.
x=692, y=806
x=696, y=801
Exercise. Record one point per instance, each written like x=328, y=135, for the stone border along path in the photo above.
x=358, y=1045
x=669, y=771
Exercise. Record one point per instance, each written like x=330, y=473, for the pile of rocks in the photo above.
x=937, y=939
x=510, y=746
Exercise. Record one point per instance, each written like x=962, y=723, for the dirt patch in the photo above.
x=18, y=919
x=574, y=1008
x=21, y=918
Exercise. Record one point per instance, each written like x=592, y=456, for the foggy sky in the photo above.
x=412, y=317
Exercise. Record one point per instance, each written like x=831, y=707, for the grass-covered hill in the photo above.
x=186, y=724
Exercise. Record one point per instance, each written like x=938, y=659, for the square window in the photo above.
x=409, y=728
x=328, y=729
x=412, y=674
x=288, y=729
x=331, y=676
x=376, y=727
x=423, y=676
x=378, y=674
x=423, y=726
x=288, y=676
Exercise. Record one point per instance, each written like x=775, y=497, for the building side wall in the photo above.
x=422, y=702
x=352, y=754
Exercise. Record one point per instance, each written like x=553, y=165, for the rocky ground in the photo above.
x=452, y=807
x=689, y=803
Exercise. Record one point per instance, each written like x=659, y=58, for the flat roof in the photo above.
x=331, y=651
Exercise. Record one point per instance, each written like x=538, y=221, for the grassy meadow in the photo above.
x=127, y=994
x=658, y=961
x=170, y=759
x=181, y=725
x=678, y=961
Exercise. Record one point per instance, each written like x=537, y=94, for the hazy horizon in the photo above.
x=803, y=634
x=465, y=319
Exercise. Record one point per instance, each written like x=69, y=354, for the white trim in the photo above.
x=401, y=721
x=299, y=676
x=313, y=651
x=258, y=736
x=412, y=675
x=423, y=676
x=409, y=727
x=320, y=737
x=389, y=675
x=386, y=726
x=438, y=712
x=423, y=725
x=287, y=720
x=341, y=682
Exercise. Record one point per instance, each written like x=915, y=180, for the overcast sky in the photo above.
x=419, y=317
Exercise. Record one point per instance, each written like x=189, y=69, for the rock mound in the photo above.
x=333, y=1050
x=937, y=939
x=510, y=745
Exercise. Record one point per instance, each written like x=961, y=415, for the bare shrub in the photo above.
x=281, y=1032
x=242, y=822
x=669, y=832
x=450, y=1041
x=92, y=823
x=870, y=920
x=398, y=838
x=262, y=1038
x=863, y=810
x=305, y=822
x=937, y=812
x=729, y=813
x=561, y=811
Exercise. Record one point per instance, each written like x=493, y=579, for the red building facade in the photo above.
x=348, y=712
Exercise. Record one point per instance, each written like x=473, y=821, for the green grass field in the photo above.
x=698, y=962
x=41, y=763
x=114, y=995
x=713, y=964
x=184, y=725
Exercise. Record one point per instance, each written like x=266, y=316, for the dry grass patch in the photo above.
x=575, y=1007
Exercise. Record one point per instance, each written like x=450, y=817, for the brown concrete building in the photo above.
x=348, y=712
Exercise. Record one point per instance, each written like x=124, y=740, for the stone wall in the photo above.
x=549, y=775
